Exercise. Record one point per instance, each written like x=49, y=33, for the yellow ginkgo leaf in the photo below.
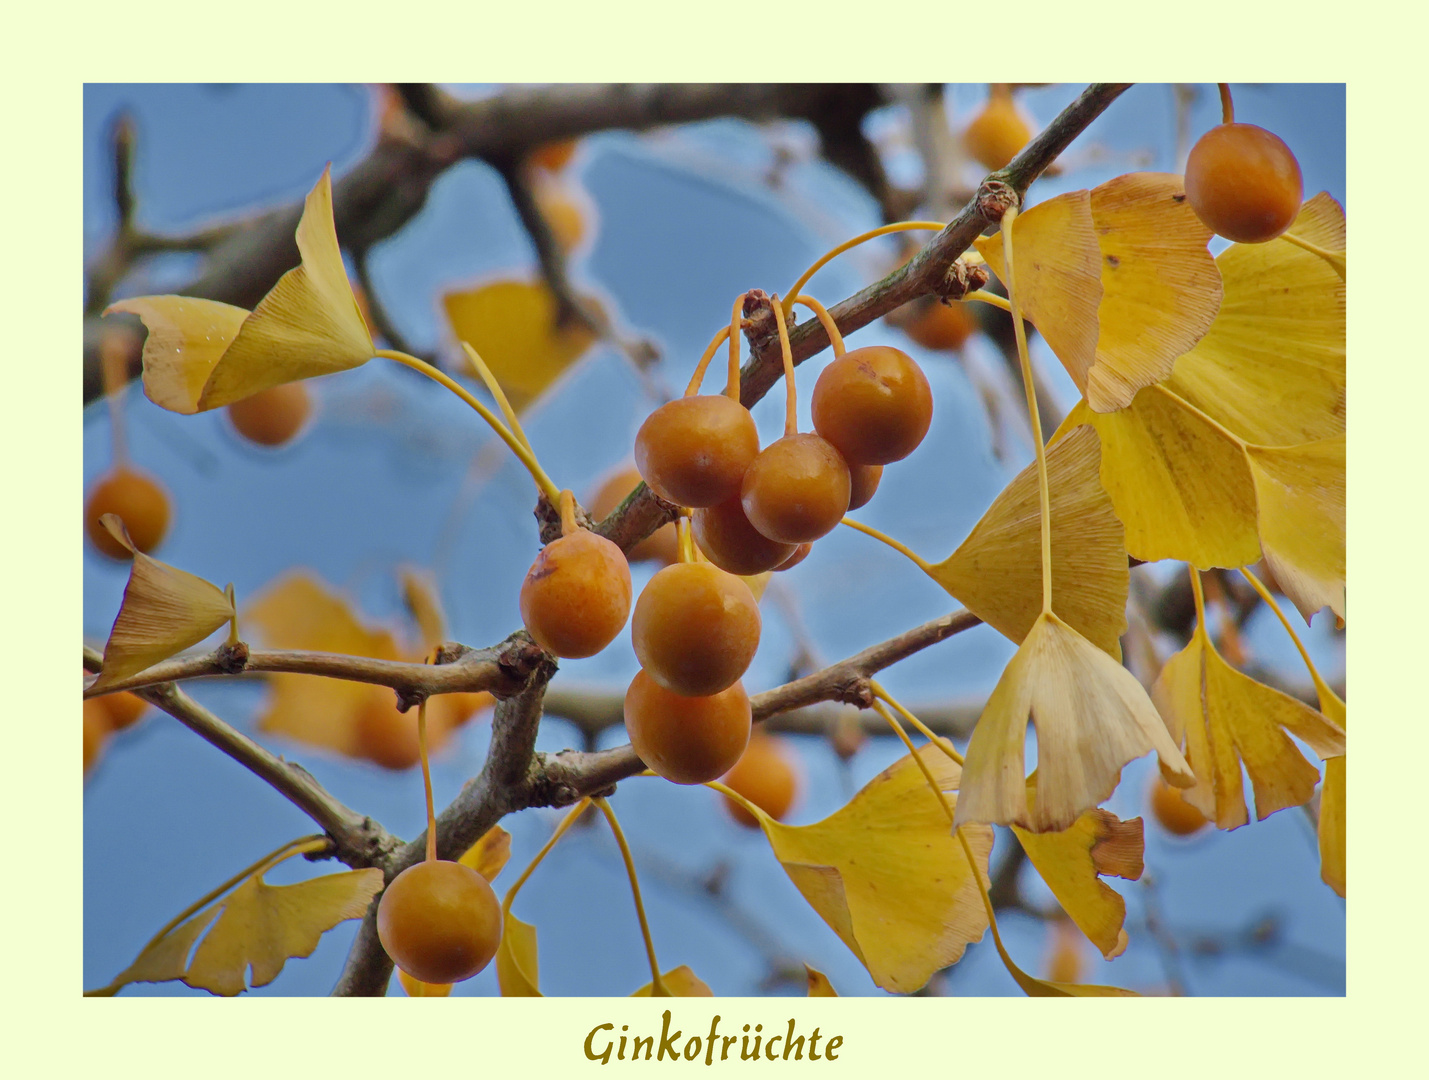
x=308, y=325
x=1332, y=825
x=681, y=982
x=419, y=593
x=517, y=969
x=1300, y=491
x=201, y=354
x=1072, y=862
x=1043, y=988
x=1179, y=483
x=1059, y=284
x=300, y=612
x=997, y=571
x=417, y=988
x=1227, y=720
x=758, y=583
x=168, y=957
x=1272, y=366
x=263, y=925
x=187, y=338
x=164, y=610
x=887, y=876
x=819, y=985
x=1160, y=286
x=512, y=324
x=489, y=854
x=1117, y=280
x=1091, y=716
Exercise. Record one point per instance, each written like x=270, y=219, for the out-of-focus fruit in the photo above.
x=138, y=500
x=662, y=546
x=997, y=133
x=96, y=732
x=1171, y=809
x=935, y=325
x=554, y=156
x=766, y=776
x=274, y=416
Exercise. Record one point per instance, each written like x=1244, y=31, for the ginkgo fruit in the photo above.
x=274, y=416
x=766, y=776
x=96, y=732
x=695, y=629
x=797, y=489
x=935, y=325
x=863, y=482
x=694, y=451
x=439, y=921
x=554, y=156
x=997, y=133
x=800, y=554
x=728, y=540
x=576, y=596
x=1175, y=814
x=562, y=213
x=1243, y=182
x=138, y=500
x=873, y=404
x=123, y=709
x=687, y=740
x=661, y=546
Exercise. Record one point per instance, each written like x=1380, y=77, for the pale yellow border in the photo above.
x=54, y=1032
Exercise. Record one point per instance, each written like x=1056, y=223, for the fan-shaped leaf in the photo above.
x=997, y=571
x=819, y=985
x=1272, y=366
x=1300, y=491
x=1225, y=719
x=1092, y=717
x=517, y=967
x=187, y=337
x=885, y=873
x=263, y=925
x=1180, y=484
x=513, y=325
x=489, y=854
x=1098, y=843
x=164, y=611
x=680, y=981
x=308, y=325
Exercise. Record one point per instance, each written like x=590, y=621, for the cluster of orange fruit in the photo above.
x=696, y=625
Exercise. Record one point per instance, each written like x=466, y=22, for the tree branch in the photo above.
x=359, y=840
x=501, y=669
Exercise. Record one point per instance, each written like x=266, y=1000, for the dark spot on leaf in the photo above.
x=1178, y=198
x=1113, y=261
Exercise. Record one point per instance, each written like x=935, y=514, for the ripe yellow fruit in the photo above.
x=687, y=740
x=274, y=416
x=1244, y=183
x=732, y=543
x=439, y=921
x=139, y=502
x=695, y=629
x=694, y=451
x=874, y=405
x=797, y=489
x=576, y=596
x=766, y=776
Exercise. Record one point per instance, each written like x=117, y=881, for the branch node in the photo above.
x=760, y=329
x=232, y=658
x=523, y=661
x=857, y=690
x=548, y=519
x=962, y=278
x=994, y=199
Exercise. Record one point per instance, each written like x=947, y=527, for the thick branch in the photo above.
x=500, y=788
x=360, y=841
